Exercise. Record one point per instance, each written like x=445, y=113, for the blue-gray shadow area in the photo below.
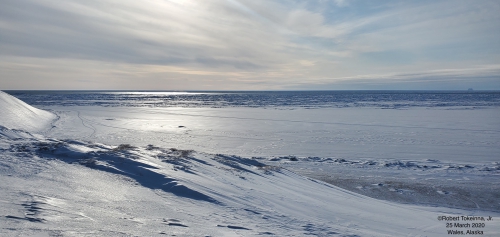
x=235, y=162
x=123, y=163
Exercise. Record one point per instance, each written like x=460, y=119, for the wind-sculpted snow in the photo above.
x=122, y=160
x=79, y=188
x=15, y=133
x=303, y=99
x=16, y=114
x=92, y=173
x=133, y=162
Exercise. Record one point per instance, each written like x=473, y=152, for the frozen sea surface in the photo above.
x=427, y=156
x=442, y=125
x=277, y=99
x=117, y=169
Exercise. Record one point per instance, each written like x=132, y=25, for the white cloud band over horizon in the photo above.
x=249, y=44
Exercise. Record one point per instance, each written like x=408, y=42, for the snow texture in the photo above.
x=55, y=185
x=15, y=114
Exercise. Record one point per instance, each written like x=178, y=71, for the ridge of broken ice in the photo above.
x=62, y=187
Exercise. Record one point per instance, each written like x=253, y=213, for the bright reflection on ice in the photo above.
x=149, y=171
x=158, y=93
x=349, y=133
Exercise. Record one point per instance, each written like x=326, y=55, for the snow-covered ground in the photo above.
x=226, y=172
x=15, y=114
x=456, y=135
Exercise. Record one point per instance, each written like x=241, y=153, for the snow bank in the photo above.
x=84, y=188
x=15, y=114
x=66, y=187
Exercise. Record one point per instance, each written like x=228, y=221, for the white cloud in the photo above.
x=304, y=21
x=341, y=3
x=274, y=43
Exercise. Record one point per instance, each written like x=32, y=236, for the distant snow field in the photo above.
x=237, y=171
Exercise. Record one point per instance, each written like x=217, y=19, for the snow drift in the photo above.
x=15, y=114
x=53, y=186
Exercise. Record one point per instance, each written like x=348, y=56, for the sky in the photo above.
x=249, y=45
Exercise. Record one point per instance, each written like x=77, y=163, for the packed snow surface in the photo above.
x=117, y=172
x=16, y=114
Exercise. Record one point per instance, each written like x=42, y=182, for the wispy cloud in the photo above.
x=482, y=77
x=241, y=44
x=341, y=3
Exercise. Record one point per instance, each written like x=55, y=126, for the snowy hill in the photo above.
x=15, y=114
x=67, y=187
x=79, y=188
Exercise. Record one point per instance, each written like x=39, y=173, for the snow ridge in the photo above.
x=16, y=114
x=233, y=195
x=66, y=187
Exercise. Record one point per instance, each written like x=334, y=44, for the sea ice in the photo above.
x=68, y=181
